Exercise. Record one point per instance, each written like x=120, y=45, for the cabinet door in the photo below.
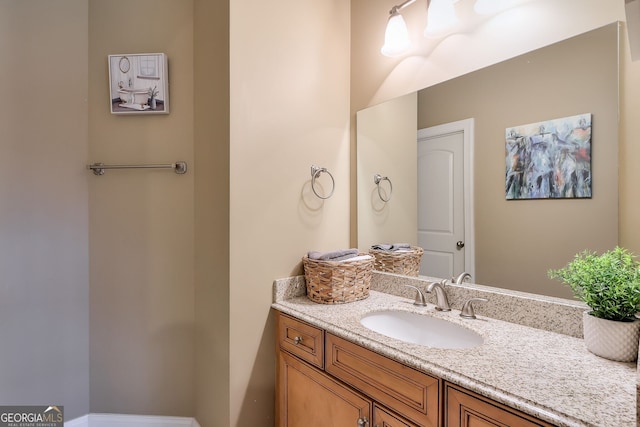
x=467, y=409
x=308, y=397
x=404, y=390
x=384, y=418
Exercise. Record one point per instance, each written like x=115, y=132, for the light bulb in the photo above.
x=441, y=17
x=396, y=37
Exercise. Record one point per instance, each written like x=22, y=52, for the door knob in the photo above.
x=459, y=244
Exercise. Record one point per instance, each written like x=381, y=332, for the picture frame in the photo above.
x=138, y=83
x=549, y=159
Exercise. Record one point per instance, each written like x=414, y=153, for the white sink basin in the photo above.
x=421, y=329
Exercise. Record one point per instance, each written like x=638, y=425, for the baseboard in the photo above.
x=122, y=420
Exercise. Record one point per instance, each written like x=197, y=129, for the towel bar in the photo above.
x=99, y=168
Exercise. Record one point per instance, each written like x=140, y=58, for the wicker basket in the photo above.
x=399, y=262
x=337, y=282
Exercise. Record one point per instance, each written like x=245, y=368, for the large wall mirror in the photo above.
x=515, y=242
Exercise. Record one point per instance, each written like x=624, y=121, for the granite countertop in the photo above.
x=546, y=374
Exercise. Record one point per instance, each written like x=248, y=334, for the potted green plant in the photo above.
x=610, y=285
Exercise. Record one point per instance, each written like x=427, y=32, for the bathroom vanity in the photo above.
x=329, y=363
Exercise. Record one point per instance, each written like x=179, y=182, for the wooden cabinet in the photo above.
x=324, y=380
x=407, y=391
x=308, y=397
x=466, y=409
x=363, y=388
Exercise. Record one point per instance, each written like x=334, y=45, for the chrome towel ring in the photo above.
x=377, y=179
x=315, y=173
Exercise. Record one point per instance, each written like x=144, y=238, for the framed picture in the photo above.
x=138, y=83
x=549, y=160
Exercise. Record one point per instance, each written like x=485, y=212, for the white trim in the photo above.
x=123, y=420
x=465, y=126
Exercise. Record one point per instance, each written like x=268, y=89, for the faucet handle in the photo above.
x=420, y=299
x=467, y=309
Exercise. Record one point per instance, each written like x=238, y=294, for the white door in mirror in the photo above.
x=441, y=221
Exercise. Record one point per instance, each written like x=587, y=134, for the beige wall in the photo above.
x=44, y=284
x=518, y=241
x=142, y=222
x=211, y=204
x=387, y=146
x=289, y=110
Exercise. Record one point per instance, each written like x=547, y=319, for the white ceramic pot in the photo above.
x=611, y=339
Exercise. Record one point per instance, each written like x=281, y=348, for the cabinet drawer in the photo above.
x=464, y=408
x=404, y=390
x=301, y=339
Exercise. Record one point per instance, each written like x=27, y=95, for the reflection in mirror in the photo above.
x=516, y=241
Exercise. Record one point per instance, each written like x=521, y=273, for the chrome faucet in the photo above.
x=442, y=302
x=460, y=278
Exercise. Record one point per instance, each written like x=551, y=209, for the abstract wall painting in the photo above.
x=549, y=160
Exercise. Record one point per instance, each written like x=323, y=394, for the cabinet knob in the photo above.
x=363, y=422
x=297, y=340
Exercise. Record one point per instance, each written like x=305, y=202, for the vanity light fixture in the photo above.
x=396, y=36
x=441, y=21
x=441, y=16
